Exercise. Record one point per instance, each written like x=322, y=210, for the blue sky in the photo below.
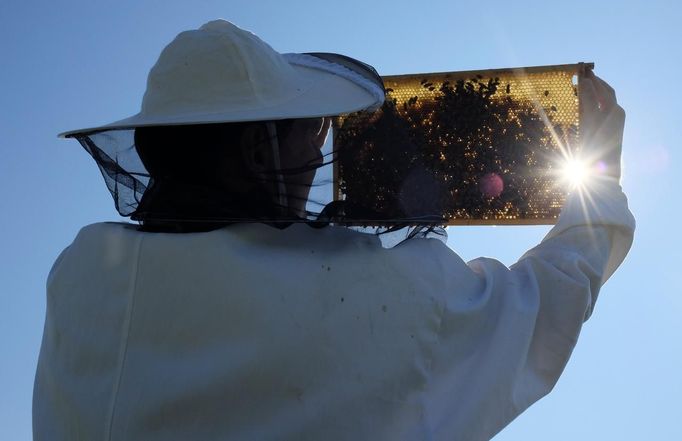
x=71, y=64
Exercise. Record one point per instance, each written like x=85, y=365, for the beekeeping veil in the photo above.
x=222, y=74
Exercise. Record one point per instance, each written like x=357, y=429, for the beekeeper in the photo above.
x=224, y=315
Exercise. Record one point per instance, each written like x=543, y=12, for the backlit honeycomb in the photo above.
x=476, y=147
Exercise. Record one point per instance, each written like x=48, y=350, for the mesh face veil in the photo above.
x=132, y=184
x=274, y=145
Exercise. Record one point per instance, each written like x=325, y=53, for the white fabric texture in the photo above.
x=221, y=73
x=255, y=333
x=312, y=62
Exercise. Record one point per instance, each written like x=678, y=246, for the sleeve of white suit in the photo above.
x=506, y=334
x=567, y=270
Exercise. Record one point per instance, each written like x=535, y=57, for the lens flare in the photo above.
x=575, y=172
x=491, y=185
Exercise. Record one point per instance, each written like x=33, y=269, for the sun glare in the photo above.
x=575, y=172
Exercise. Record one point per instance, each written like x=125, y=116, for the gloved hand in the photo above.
x=602, y=124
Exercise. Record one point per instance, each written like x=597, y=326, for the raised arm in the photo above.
x=505, y=339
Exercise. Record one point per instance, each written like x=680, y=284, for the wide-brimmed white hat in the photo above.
x=222, y=73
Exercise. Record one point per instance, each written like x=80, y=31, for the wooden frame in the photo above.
x=525, y=82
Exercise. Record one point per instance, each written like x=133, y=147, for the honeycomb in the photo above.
x=461, y=148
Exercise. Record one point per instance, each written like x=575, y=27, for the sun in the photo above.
x=575, y=172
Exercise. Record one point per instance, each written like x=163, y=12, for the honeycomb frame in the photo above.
x=509, y=101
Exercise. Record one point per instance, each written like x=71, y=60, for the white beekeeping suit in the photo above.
x=251, y=332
